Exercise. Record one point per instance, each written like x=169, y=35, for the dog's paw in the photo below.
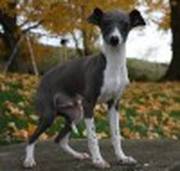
x=101, y=164
x=127, y=160
x=82, y=156
x=29, y=163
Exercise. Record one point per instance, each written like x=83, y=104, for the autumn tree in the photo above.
x=57, y=17
x=76, y=12
x=62, y=17
x=8, y=33
x=11, y=31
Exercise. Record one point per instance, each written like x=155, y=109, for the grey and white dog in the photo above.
x=73, y=89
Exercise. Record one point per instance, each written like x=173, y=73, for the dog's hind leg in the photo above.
x=44, y=123
x=66, y=130
x=63, y=138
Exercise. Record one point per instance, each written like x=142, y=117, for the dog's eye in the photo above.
x=124, y=26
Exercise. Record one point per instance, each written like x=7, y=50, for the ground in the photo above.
x=153, y=155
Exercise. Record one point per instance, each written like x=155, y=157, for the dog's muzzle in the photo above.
x=114, y=40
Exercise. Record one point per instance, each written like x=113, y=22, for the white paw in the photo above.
x=82, y=156
x=127, y=160
x=29, y=163
x=101, y=164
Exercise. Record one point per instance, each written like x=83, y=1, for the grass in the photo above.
x=141, y=70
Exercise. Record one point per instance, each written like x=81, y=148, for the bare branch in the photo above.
x=32, y=27
x=76, y=44
x=24, y=23
x=34, y=65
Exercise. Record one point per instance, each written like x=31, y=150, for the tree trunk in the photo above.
x=10, y=36
x=86, y=45
x=173, y=72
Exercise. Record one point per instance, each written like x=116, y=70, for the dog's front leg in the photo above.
x=113, y=115
x=93, y=145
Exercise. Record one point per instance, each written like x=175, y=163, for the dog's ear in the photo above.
x=136, y=19
x=96, y=16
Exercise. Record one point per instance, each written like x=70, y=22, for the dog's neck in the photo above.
x=115, y=76
x=115, y=56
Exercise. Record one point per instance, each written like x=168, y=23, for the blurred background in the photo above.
x=36, y=35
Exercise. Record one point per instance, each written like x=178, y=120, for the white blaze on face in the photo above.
x=117, y=33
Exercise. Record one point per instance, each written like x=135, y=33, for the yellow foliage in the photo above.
x=13, y=109
x=159, y=6
x=146, y=109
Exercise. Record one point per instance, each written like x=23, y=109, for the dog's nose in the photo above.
x=114, y=40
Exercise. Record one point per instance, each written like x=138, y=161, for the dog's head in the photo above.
x=115, y=25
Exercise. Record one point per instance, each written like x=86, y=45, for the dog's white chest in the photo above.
x=114, y=82
x=115, y=77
